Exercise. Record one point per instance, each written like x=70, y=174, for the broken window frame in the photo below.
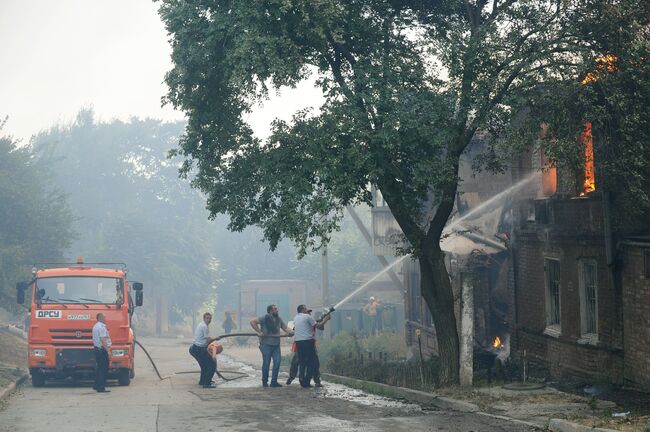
x=553, y=290
x=588, y=281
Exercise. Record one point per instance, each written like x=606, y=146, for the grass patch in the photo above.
x=378, y=358
x=8, y=375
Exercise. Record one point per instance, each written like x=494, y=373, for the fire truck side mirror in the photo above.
x=20, y=292
x=137, y=287
x=138, y=298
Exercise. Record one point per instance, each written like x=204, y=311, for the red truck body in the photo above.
x=64, y=305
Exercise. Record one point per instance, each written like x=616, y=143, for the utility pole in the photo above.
x=325, y=291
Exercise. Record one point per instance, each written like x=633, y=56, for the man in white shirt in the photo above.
x=101, y=344
x=199, y=350
x=305, y=333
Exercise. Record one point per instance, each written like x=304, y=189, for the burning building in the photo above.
x=540, y=270
x=567, y=314
x=582, y=291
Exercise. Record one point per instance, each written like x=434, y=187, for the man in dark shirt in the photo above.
x=268, y=328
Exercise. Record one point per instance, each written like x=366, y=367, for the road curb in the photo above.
x=559, y=425
x=512, y=420
x=7, y=391
x=418, y=396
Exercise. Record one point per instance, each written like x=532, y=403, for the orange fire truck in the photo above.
x=65, y=300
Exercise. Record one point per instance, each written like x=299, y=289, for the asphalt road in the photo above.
x=179, y=404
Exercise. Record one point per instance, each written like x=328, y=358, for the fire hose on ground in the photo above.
x=242, y=374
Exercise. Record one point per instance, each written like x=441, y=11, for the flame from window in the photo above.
x=604, y=64
x=497, y=343
x=586, y=137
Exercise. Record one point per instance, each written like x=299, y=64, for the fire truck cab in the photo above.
x=65, y=301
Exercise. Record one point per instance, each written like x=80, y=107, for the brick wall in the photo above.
x=636, y=310
x=561, y=358
x=572, y=231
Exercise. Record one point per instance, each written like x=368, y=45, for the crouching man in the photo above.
x=199, y=350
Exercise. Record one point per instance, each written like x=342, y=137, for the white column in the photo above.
x=467, y=330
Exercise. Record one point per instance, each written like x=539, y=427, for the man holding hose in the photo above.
x=268, y=329
x=305, y=328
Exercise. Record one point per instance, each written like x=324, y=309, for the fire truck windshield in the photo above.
x=79, y=289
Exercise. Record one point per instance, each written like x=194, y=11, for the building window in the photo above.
x=530, y=211
x=588, y=299
x=646, y=263
x=552, y=276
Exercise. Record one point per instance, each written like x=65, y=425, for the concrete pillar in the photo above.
x=467, y=330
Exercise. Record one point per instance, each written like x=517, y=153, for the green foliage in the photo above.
x=339, y=349
x=406, y=86
x=391, y=344
x=35, y=218
x=131, y=206
x=345, y=348
x=350, y=356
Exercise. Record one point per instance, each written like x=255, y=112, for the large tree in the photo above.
x=35, y=218
x=406, y=84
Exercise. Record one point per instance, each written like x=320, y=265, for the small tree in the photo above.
x=406, y=86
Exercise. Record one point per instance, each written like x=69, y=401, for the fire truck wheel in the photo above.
x=124, y=377
x=38, y=379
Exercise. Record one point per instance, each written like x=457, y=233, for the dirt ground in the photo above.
x=538, y=406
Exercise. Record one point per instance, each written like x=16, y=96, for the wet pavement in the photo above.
x=179, y=404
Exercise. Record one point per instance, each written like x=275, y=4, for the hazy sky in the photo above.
x=60, y=55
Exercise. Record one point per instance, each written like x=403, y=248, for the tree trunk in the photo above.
x=438, y=294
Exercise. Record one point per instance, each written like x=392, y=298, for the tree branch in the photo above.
x=336, y=66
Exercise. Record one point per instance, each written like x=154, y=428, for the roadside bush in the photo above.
x=378, y=358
